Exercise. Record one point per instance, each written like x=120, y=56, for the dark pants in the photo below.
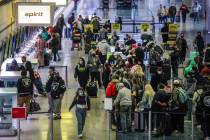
x=95, y=76
x=184, y=15
x=182, y=56
x=125, y=117
x=177, y=122
x=175, y=70
x=103, y=59
x=172, y=19
x=196, y=17
x=160, y=19
x=205, y=123
x=55, y=56
x=82, y=83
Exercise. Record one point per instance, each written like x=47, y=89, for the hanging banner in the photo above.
x=145, y=27
x=34, y=14
x=57, y=2
x=116, y=27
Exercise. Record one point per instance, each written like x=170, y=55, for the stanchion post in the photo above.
x=18, y=129
x=150, y=125
x=67, y=83
x=51, y=125
x=193, y=124
x=110, y=114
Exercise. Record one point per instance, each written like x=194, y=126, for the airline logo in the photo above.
x=34, y=14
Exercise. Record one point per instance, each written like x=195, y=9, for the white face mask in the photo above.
x=81, y=93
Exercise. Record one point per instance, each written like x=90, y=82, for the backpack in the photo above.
x=183, y=96
x=111, y=90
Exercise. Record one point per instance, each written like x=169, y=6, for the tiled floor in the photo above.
x=37, y=126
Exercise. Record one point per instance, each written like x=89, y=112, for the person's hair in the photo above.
x=23, y=57
x=161, y=86
x=77, y=92
x=83, y=61
x=23, y=73
x=28, y=65
x=148, y=89
x=52, y=68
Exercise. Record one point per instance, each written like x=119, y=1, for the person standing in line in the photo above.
x=172, y=13
x=184, y=11
x=165, y=32
x=82, y=103
x=25, y=90
x=56, y=87
x=124, y=99
x=199, y=43
x=182, y=46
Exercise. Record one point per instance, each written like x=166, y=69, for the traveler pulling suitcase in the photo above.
x=139, y=124
x=92, y=89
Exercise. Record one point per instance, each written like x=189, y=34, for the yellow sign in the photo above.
x=116, y=27
x=86, y=26
x=145, y=27
x=171, y=43
x=173, y=28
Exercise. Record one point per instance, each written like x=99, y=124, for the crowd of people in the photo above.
x=133, y=85
x=174, y=14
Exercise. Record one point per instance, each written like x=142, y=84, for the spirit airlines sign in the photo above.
x=34, y=14
x=57, y=2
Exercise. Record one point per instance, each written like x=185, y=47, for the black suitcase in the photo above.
x=91, y=89
x=207, y=55
x=139, y=123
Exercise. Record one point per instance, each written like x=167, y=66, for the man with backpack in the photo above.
x=178, y=105
x=204, y=105
x=56, y=87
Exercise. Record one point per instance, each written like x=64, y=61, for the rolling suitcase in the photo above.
x=92, y=89
x=139, y=124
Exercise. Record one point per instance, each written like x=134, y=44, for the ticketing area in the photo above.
x=104, y=69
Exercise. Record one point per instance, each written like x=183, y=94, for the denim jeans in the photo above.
x=125, y=117
x=56, y=106
x=81, y=115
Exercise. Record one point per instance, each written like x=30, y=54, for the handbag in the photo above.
x=34, y=106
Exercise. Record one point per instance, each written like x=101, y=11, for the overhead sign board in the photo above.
x=145, y=27
x=57, y=2
x=34, y=14
x=116, y=27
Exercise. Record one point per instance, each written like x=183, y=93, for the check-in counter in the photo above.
x=8, y=99
x=33, y=61
x=9, y=76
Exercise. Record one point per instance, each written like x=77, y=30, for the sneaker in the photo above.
x=80, y=136
x=57, y=118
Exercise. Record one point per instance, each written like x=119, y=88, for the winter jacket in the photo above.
x=24, y=87
x=123, y=97
x=104, y=47
x=56, y=87
x=81, y=72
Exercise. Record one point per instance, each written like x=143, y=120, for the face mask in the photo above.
x=159, y=72
x=81, y=93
